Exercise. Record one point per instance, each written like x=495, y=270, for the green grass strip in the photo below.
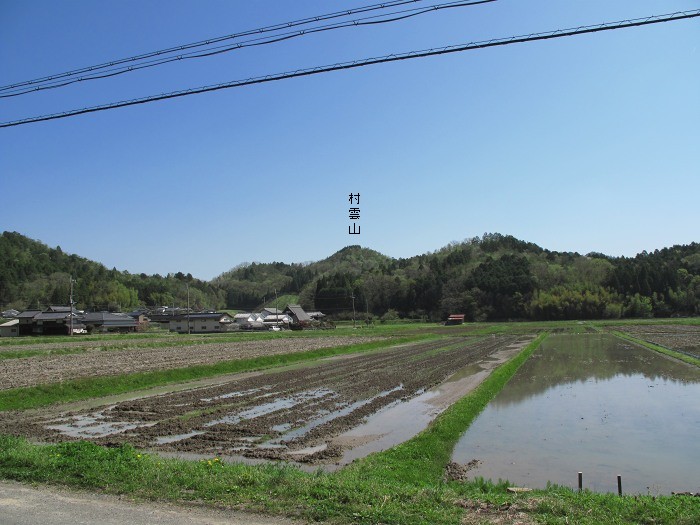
x=85, y=388
x=658, y=348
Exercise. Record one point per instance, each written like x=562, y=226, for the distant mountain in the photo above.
x=492, y=277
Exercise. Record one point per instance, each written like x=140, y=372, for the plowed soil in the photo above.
x=273, y=415
x=683, y=338
x=43, y=369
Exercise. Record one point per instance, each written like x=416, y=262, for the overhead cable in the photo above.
x=210, y=41
x=217, y=50
x=559, y=33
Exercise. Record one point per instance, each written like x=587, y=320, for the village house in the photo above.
x=297, y=314
x=201, y=323
x=109, y=322
x=57, y=323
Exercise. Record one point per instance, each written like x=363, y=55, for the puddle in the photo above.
x=240, y=393
x=281, y=403
x=177, y=437
x=94, y=426
x=328, y=417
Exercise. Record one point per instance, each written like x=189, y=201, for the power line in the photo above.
x=559, y=33
x=10, y=91
x=209, y=41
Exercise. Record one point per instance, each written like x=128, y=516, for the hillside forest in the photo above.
x=495, y=277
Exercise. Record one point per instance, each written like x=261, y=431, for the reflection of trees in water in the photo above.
x=577, y=358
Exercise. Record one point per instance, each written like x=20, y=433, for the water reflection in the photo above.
x=596, y=404
x=565, y=359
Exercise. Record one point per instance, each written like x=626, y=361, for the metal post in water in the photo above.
x=619, y=485
x=580, y=481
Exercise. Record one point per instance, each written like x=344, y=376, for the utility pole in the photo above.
x=353, y=310
x=277, y=318
x=188, y=308
x=71, y=306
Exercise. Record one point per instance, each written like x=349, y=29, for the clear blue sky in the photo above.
x=586, y=143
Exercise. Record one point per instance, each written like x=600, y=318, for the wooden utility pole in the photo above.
x=70, y=314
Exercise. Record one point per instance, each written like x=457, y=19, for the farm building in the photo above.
x=56, y=323
x=26, y=321
x=109, y=322
x=243, y=318
x=270, y=311
x=455, y=319
x=10, y=328
x=201, y=323
x=297, y=313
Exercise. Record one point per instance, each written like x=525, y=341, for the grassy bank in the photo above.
x=657, y=348
x=85, y=388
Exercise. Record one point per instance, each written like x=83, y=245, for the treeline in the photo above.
x=32, y=275
x=495, y=277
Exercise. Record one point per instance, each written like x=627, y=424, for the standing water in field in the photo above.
x=596, y=404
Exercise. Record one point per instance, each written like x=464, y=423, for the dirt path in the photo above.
x=25, y=505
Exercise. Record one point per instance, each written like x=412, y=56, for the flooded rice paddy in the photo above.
x=318, y=412
x=596, y=404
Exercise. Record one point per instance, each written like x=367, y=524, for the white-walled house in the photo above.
x=200, y=323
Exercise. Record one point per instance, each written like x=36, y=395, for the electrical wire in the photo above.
x=372, y=20
x=209, y=41
x=559, y=33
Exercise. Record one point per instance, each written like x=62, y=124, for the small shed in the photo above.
x=10, y=328
x=455, y=319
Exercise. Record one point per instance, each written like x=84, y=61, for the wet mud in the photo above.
x=292, y=414
x=682, y=338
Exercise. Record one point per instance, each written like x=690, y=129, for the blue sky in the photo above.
x=586, y=143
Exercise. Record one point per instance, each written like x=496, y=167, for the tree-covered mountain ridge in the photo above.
x=486, y=278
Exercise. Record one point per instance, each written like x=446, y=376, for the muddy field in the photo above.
x=288, y=414
x=683, y=338
x=43, y=369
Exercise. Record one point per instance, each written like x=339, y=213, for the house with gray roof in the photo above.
x=203, y=322
x=109, y=322
x=297, y=313
x=57, y=323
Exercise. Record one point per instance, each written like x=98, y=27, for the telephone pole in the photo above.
x=353, y=310
x=71, y=306
x=188, y=309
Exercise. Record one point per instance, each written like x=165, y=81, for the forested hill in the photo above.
x=34, y=275
x=492, y=277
